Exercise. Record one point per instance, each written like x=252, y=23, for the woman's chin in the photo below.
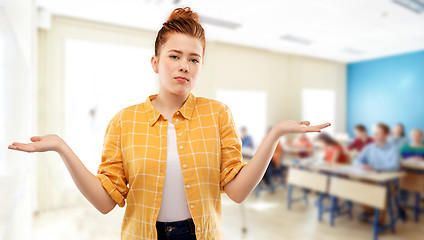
x=182, y=91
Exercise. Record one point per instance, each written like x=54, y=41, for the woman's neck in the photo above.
x=398, y=137
x=168, y=103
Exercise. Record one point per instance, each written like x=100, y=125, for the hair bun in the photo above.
x=184, y=13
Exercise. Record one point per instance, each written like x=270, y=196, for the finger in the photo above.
x=317, y=128
x=36, y=139
x=307, y=123
x=321, y=126
x=23, y=147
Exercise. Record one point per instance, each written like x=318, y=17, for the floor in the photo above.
x=266, y=218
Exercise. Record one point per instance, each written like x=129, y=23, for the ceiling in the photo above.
x=339, y=30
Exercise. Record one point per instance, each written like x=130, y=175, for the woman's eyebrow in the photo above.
x=178, y=51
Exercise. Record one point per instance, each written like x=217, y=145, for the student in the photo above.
x=276, y=157
x=246, y=140
x=275, y=164
x=398, y=137
x=361, y=139
x=170, y=157
x=415, y=150
x=303, y=145
x=333, y=151
x=380, y=155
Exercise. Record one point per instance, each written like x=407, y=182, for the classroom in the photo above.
x=237, y=120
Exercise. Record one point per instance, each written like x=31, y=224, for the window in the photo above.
x=100, y=80
x=248, y=109
x=318, y=106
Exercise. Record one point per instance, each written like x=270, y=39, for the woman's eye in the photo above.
x=173, y=57
x=195, y=60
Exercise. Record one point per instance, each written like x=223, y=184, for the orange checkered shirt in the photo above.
x=134, y=162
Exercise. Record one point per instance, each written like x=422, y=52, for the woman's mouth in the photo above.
x=181, y=79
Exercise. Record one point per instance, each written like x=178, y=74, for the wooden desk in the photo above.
x=414, y=182
x=342, y=173
x=347, y=170
x=412, y=165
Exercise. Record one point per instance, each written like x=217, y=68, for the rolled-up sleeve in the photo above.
x=231, y=157
x=111, y=171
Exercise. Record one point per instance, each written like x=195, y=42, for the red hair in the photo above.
x=181, y=20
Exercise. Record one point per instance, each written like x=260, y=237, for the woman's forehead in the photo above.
x=183, y=43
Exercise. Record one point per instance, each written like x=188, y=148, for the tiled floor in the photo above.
x=266, y=219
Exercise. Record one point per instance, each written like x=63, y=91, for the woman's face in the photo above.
x=179, y=63
x=397, y=131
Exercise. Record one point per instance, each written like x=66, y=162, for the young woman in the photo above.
x=333, y=150
x=398, y=137
x=173, y=155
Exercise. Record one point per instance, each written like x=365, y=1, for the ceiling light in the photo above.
x=352, y=51
x=219, y=22
x=296, y=39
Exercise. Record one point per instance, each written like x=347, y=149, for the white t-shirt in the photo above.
x=174, y=205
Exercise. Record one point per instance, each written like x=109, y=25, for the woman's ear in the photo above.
x=154, y=62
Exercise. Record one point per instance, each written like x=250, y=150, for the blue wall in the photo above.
x=389, y=90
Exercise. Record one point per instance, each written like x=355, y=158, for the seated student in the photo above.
x=398, y=136
x=274, y=164
x=380, y=155
x=246, y=140
x=361, y=139
x=303, y=145
x=276, y=157
x=333, y=151
x=415, y=150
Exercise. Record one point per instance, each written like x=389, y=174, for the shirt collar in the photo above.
x=186, y=110
x=386, y=145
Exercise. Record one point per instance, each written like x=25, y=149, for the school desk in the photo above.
x=349, y=183
x=414, y=182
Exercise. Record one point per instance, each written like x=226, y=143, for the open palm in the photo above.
x=45, y=143
x=290, y=126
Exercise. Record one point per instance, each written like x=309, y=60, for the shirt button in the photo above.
x=177, y=120
x=198, y=228
x=184, y=165
x=178, y=113
x=187, y=186
x=192, y=206
x=181, y=147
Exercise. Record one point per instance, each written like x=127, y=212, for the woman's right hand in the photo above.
x=50, y=142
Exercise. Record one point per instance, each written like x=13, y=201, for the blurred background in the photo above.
x=62, y=62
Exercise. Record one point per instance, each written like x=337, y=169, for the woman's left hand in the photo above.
x=290, y=126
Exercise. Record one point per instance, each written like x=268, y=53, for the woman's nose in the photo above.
x=184, y=67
